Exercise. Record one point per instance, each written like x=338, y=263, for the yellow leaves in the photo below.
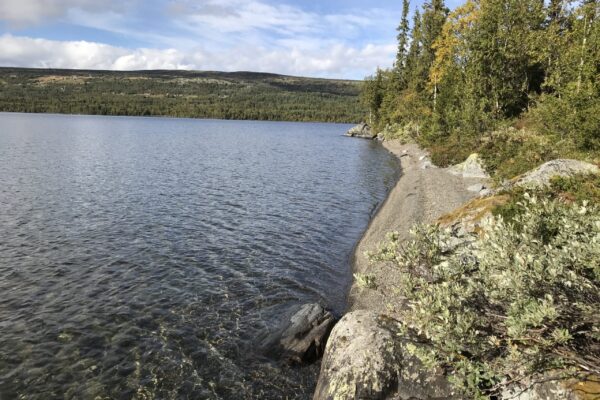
x=450, y=47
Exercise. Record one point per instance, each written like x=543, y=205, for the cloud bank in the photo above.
x=224, y=35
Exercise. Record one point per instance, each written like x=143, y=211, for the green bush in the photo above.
x=520, y=300
x=405, y=133
x=510, y=152
x=578, y=188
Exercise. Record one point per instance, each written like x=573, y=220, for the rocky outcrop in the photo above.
x=362, y=131
x=542, y=175
x=304, y=339
x=471, y=168
x=365, y=359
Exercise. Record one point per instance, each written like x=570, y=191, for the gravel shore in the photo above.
x=422, y=194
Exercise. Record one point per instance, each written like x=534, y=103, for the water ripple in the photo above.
x=142, y=258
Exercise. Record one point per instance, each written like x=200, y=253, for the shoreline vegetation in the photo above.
x=475, y=287
x=185, y=94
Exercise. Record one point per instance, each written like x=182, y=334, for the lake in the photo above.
x=144, y=257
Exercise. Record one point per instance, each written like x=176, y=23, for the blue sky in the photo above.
x=328, y=38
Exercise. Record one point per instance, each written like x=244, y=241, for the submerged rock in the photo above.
x=304, y=339
x=471, y=168
x=542, y=175
x=362, y=131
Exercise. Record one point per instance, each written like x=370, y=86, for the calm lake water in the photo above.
x=144, y=258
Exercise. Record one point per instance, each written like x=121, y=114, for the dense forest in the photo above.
x=238, y=95
x=516, y=80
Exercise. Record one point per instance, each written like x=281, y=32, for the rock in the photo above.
x=549, y=389
x=476, y=188
x=364, y=359
x=362, y=131
x=304, y=339
x=427, y=165
x=361, y=360
x=471, y=168
x=542, y=175
x=486, y=193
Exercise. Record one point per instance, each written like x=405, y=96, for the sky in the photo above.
x=323, y=38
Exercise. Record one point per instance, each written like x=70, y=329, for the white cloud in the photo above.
x=253, y=35
x=333, y=59
x=27, y=12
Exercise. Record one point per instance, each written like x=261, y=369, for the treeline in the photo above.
x=514, y=79
x=243, y=95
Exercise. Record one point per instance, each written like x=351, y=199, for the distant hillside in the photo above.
x=236, y=95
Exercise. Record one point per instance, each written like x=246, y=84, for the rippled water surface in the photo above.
x=143, y=258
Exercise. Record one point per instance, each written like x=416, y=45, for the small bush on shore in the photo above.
x=577, y=188
x=405, y=133
x=520, y=300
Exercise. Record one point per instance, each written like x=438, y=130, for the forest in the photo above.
x=515, y=80
x=237, y=95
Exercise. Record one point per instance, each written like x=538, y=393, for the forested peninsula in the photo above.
x=190, y=94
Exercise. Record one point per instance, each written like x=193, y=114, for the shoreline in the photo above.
x=362, y=355
x=421, y=194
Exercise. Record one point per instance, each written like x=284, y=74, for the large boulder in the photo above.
x=542, y=175
x=362, y=131
x=304, y=338
x=471, y=168
x=365, y=359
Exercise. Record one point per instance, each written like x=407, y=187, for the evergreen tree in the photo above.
x=403, y=36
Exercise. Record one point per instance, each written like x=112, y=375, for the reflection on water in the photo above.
x=143, y=257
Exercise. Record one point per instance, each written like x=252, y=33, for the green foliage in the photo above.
x=522, y=299
x=577, y=188
x=404, y=133
x=240, y=95
x=510, y=152
x=365, y=281
x=489, y=63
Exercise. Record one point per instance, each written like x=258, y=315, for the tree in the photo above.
x=403, y=37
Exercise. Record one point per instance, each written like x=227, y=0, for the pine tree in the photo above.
x=403, y=36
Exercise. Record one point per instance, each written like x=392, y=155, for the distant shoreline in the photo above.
x=168, y=117
x=180, y=94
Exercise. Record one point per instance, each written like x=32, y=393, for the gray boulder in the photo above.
x=304, y=339
x=365, y=359
x=542, y=175
x=471, y=168
x=362, y=131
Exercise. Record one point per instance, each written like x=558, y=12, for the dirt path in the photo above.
x=422, y=195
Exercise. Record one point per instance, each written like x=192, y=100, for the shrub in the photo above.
x=510, y=152
x=405, y=133
x=577, y=188
x=520, y=300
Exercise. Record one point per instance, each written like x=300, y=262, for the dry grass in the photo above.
x=586, y=390
x=474, y=211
